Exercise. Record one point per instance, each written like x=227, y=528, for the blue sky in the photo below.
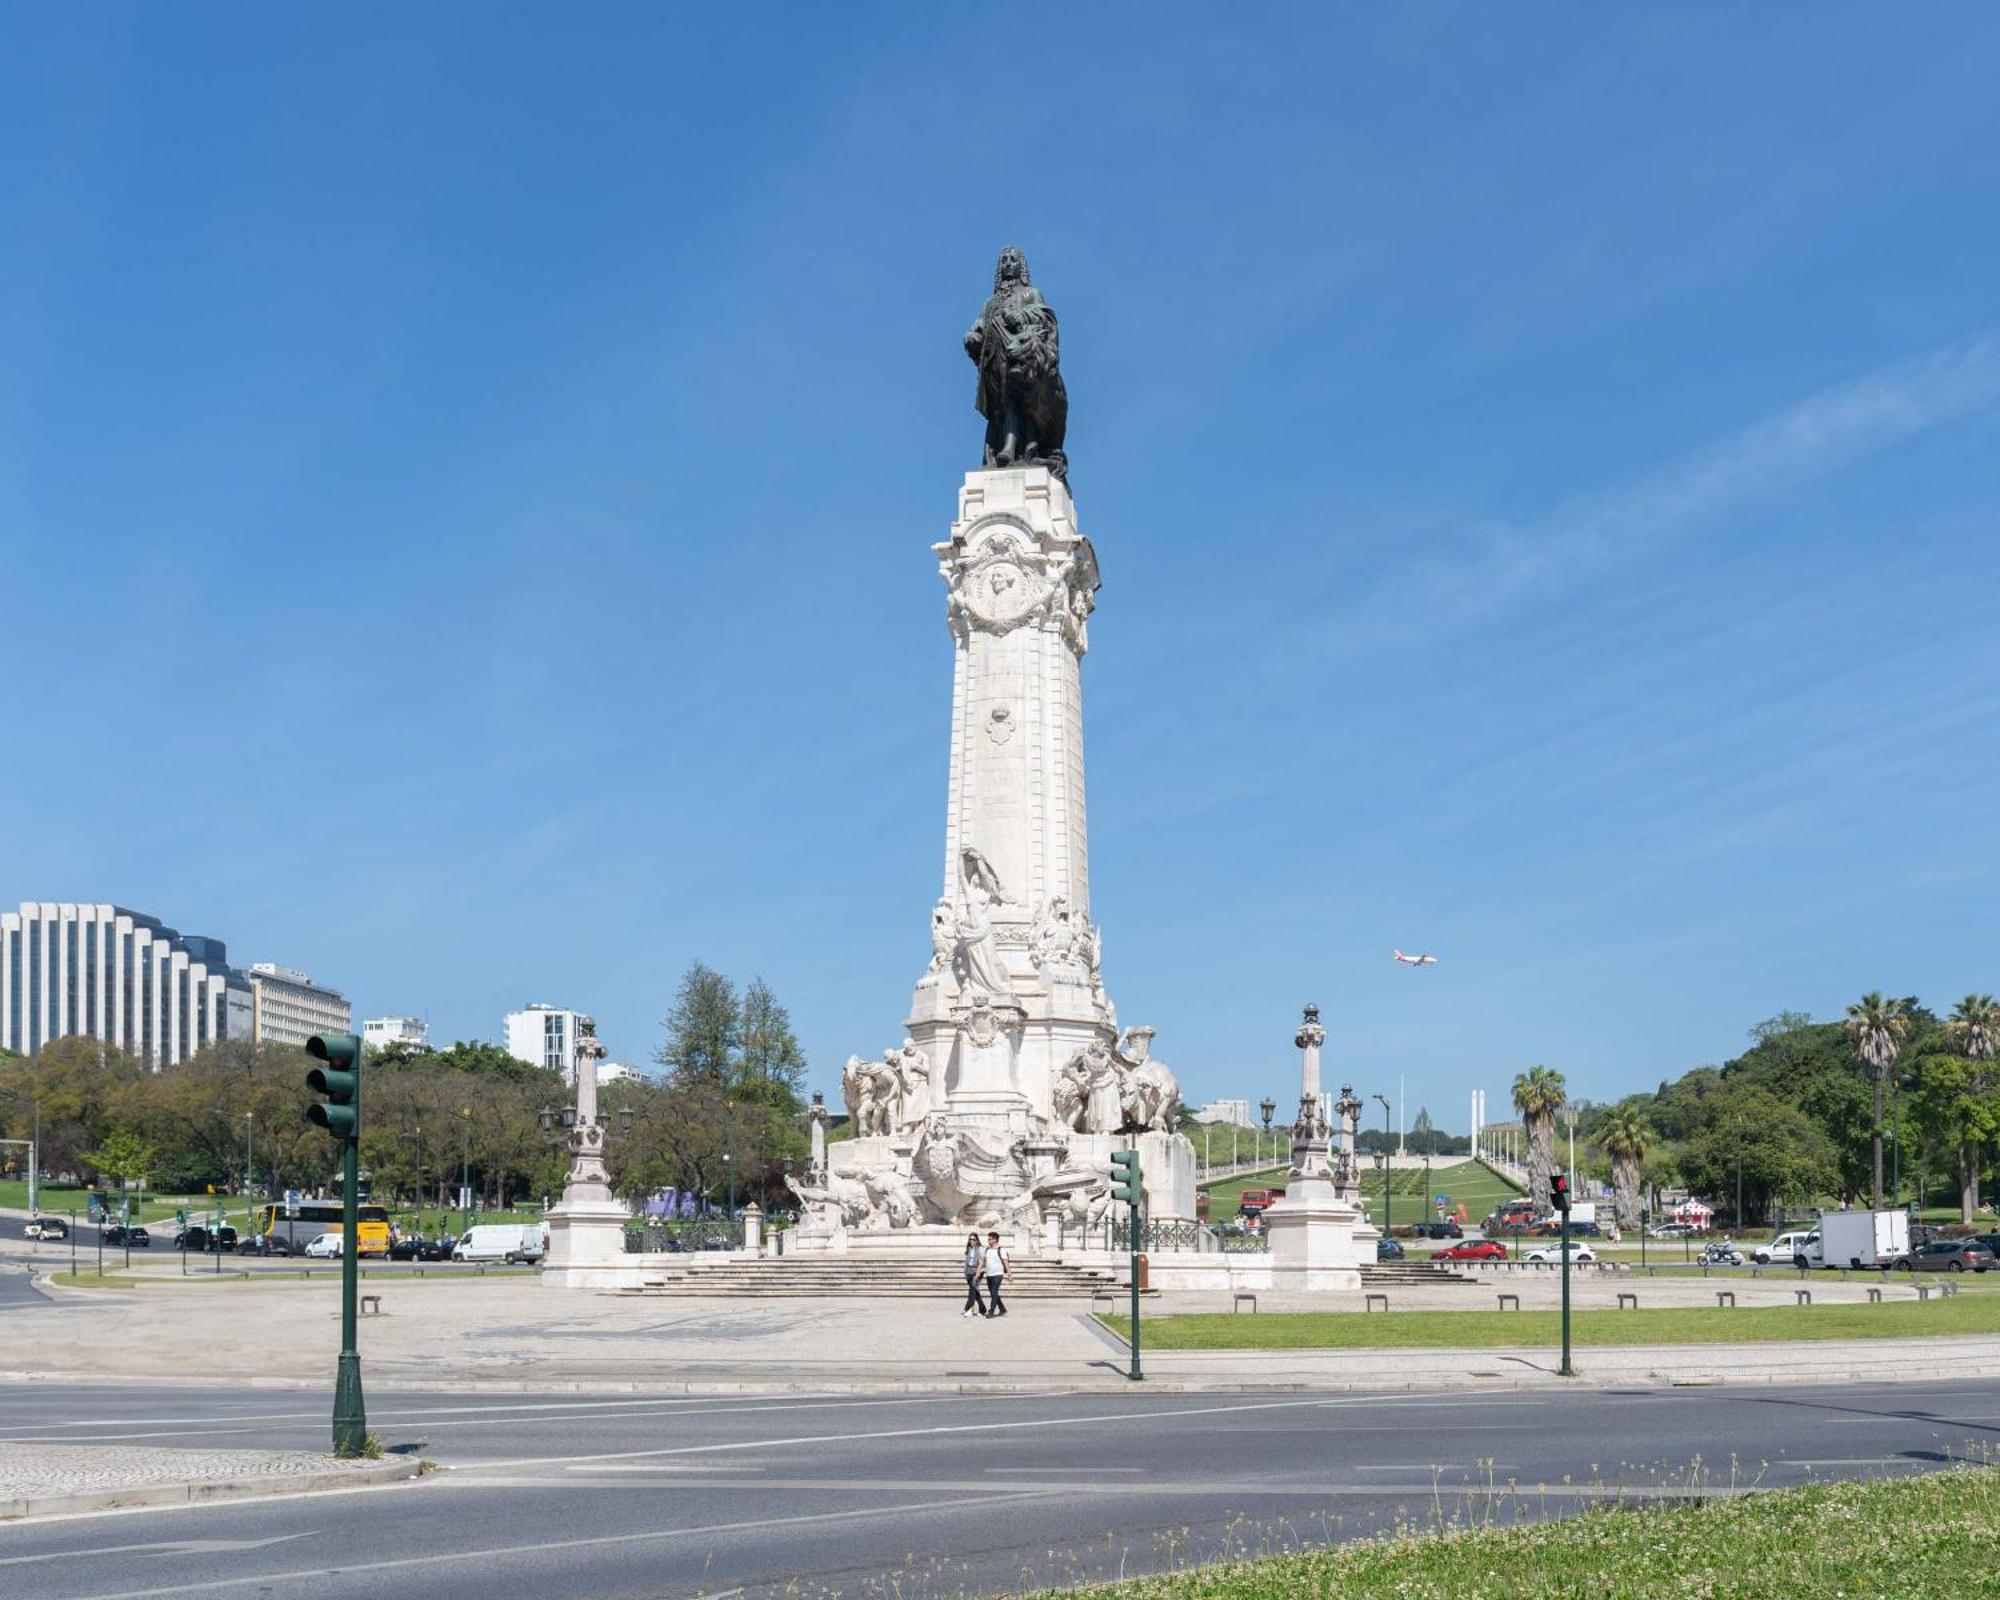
x=466, y=481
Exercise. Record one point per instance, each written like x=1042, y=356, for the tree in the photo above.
x=771, y=1068
x=124, y=1158
x=1773, y=1146
x=703, y=1029
x=1421, y=1132
x=1958, y=1114
x=1876, y=1026
x=1538, y=1096
x=1625, y=1138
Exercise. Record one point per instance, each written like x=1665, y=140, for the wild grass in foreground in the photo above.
x=1912, y=1539
x=1968, y=1313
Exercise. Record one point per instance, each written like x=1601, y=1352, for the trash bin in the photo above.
x=1145, y=1270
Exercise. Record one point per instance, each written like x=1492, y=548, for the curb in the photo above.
x=193, y=1491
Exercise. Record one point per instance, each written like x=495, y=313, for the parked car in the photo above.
x=222, y=1240
x=1946, y=1255
x=193, y=1237
x=1554, y=1252
x=1782, y=1248
x=325, y=1248
x=47, y=1228
x=1472, y=1250
x=1447, y=1229
x=263, y=1244
x=1991, y=1241
x=1552, y=1229
x=1672, y=1230
x=134, y=1237
x=1388, y=1250
x=408, y=1248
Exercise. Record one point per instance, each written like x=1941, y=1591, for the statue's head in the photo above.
x=1012, y=267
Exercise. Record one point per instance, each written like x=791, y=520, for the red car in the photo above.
x=1472, y=1250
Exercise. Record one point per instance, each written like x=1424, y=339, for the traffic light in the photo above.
x=339, y=1080
x=1559, y=1193
x=1125, y=1177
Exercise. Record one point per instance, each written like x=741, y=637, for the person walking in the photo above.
x=996, y=1269
x=975, y=1266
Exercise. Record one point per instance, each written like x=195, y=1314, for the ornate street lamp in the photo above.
x=1269, y=1107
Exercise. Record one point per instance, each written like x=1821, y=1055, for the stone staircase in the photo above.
x=861, y=1277
x=1411, y=1274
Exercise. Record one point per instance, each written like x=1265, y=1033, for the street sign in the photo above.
x=291, y=1204
x=464, y=1197
x=1440, y=1199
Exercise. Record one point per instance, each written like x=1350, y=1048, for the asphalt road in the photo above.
x=639, y=1498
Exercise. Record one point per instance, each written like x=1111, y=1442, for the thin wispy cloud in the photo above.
x=1822, y=434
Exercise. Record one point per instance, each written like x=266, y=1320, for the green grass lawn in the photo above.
x=1471, y=1330
x=1479, y=1187
x=1921, y=1538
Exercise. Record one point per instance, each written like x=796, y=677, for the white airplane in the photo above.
x=1414, y=961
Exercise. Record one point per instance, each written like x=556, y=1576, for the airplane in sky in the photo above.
x=1415, y=961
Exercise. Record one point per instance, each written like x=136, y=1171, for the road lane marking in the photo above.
x=650, y=1536
x=174, y=1547
x=912, y=1433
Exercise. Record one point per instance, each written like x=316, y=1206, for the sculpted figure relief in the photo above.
x=912, y=1069
x=1149, y=1095
x=872, y=1090
x=944, y=935
x=976, y=959
x=1021, y=395
x=1061, y=936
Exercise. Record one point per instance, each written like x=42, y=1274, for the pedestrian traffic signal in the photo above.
x=1125, y=1177
x=1559, y=1193
x=339, y=1080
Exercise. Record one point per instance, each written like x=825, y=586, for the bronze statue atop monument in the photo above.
x=1018, y=352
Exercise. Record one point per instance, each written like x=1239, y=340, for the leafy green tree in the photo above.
x=1782, y=1157
x=771, y=1068
x=1538, y=1095
x=703, y=1029
x=1877, y=1026
x=123, y=1158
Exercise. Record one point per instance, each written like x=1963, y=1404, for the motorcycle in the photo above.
x=1724, y=1254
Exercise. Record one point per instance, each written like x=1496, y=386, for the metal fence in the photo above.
x=695, y=1233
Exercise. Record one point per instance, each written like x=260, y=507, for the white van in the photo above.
x=1780, y=1249
x=500, y=1241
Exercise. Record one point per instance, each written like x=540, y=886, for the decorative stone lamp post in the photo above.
x=1319, y=1238
x=587, y=1227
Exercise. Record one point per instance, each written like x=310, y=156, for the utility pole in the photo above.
x=1388, y=1226
x=249, y=1122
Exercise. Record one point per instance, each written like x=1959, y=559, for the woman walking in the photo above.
x=975, y=1266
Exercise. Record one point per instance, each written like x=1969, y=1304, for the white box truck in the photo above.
x=1855, y=1239
x=501, y=1241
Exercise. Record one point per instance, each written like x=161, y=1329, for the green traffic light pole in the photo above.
x=340, y=1081
x=350, y=1414
x=1125, y=1167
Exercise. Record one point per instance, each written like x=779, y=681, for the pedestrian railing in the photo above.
x=693, y=1233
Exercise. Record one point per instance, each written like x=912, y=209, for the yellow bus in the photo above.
x=289, y=1235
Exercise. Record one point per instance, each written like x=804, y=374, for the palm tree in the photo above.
x=1538, y=1096
x=1877, y=1025
x=1625, y=1138
x=1974, y=1027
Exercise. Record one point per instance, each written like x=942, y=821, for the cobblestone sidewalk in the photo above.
x=44, y=1478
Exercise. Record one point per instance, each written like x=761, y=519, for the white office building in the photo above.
x=117, y=975
x=289, y=1008
x=378, y=1033
x=545, y=1036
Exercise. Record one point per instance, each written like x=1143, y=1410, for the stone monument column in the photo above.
x=1014, y=990
x=587, y=1227
x=1319, y=1239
